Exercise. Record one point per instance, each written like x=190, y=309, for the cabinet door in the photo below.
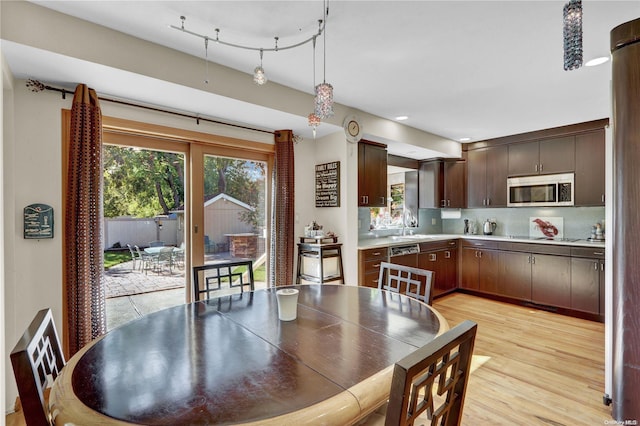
x=430, y=185
x=585, y=285
x=602, y=290
x=454, y=184
x=523, y=159
x=450, y=269
x=434, y=261
x=551, y=280
x=590, y=169
x=469, y=272
x=477, y=178
x=489, y=266
x=515, y=279
x=372, y=175
x=497, y=159
x=557, y=155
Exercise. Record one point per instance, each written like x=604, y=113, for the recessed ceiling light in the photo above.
x=464, y=139
x=401, y=117
x=597, y=61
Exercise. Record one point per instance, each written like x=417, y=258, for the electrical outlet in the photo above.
x=433, y=220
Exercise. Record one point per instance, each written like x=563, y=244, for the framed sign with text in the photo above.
x=328, y=184
x=38, y=221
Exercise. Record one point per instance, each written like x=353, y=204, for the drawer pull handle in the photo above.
x=433, y=257
x=598, y=253
x=447, y=254
x=377, y=265
x=377, y=253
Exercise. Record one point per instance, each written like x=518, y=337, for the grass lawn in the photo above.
x=112, y=258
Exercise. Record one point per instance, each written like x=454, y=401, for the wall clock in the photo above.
x=352, y=129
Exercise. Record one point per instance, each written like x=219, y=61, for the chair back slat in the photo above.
x=209, y=279
x=37, y=359
x=432, y=381
x=413, y=282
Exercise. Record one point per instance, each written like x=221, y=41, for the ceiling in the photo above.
x=457, y=69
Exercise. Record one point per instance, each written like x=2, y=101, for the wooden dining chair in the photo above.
x=433, y=379
x=216, y=277
x=37, y=360
x=414, y=282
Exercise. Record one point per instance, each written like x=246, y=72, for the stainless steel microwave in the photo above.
x=543, y=190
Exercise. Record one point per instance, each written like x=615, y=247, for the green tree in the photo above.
x=141, y=183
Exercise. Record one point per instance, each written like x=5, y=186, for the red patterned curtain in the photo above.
x=282, y=211
x=83, y=227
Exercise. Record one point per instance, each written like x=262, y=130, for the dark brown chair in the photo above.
x=433, y=380
x=37, y=360
x=219, y=276
x=413, y=282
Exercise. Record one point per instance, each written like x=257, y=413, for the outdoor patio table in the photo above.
x=230, y=360
x=156, y=250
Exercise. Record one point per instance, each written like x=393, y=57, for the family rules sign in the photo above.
x=328, y=184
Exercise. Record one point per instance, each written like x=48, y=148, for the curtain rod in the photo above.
x=38, y=86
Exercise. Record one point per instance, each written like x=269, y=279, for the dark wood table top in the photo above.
x=231, y=361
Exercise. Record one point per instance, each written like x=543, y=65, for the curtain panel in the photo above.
x=85, y=295
x=282, y=211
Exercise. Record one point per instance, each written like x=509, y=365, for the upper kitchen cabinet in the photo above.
x=590, y=169
x=441, y=184
x=548, y=156
x=372, y=174
x=487, y=177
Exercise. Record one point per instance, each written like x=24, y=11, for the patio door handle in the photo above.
x=195, y=229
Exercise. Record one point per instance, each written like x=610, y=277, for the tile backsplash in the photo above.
x=514, y=221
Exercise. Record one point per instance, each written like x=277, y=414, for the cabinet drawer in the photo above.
x=536, y=248
x=380, y=253
x=594, y=253
x=480, y=244
x=438, y=245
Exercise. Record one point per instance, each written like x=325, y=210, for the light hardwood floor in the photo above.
x=545, y=368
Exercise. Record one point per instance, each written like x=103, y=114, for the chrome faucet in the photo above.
x=408, y=221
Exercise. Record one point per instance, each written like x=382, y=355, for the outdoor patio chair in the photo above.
x=178, y=256
x=146, y=260
x=209, y=245
x=164, y=258
x=134, y=257
x=215, y=277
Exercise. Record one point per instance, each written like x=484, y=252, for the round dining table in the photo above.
x=230, y=360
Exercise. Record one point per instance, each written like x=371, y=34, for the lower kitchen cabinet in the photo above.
x=480, y=267
x=587, y=280
x=551, y=280
x=369, y=265
x=442, y=259
x=515, y=276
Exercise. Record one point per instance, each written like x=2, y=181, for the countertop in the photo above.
x=399, y=240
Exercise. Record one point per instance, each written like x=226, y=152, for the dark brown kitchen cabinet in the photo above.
x=441, y=184
x=590, y=169
x=369, y=265
x=551, y=280
x=372, y=174
x=441, y=258
x=487, y=177
x=480, y=266
x=587, y=280
x=515, y=275
x=547, y=156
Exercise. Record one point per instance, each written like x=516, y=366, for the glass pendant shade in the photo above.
x=572, y=31
x=259, y=76
x=314, y=120
x=324, y=101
